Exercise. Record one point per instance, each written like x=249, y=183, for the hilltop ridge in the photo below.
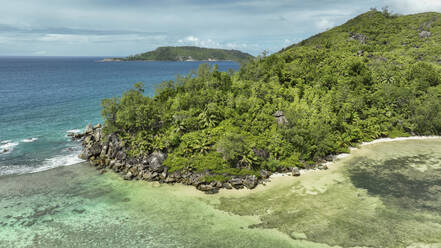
x=392, y=36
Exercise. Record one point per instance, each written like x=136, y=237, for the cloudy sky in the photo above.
x=124, y=27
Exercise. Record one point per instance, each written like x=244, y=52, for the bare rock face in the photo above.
x=425, y=34
x=250, y=181
x=360, y=37
x=91, y=142
x=109, y=152
x=278, y=113
x=97, y=133
x=236, y=183
x=121, y=155
x=154, y=161
x=280, y=118
x=128, y=176
x=89, y=129
x=95, y=149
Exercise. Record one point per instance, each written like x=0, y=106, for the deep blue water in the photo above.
x=42, y=98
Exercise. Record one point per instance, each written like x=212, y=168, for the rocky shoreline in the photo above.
x=108, y=152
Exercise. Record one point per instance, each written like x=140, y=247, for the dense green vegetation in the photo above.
x=185, y=53
x=374, y=76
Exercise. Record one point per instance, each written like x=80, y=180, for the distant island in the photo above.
x=187, y=53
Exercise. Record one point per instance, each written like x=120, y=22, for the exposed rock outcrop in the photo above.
x=360, y=37
x=295, y=172
x=109, y=152
x=280, y=118
x=425, y=34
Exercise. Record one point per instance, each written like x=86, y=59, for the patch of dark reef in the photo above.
x=398, y=181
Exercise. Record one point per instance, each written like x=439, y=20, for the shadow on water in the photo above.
x=385, y=195
x=398, y=181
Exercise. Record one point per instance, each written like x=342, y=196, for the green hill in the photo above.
x=376, y=76
x=191, y=53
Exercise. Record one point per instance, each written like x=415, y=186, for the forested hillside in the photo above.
x=378, y=75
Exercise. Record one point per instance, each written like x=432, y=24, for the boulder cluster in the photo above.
x=109, y=152
x=360, y=37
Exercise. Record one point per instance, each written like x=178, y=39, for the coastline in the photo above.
x=109, y=152
x=148, y=60
x=74, y=206
x=78, y=196
x=357, y=202
x=281, y=179
x=382, y=140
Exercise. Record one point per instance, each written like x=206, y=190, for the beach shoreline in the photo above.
x=279, y=179
x=108, y=152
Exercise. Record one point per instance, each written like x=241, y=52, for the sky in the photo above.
x=127, y=27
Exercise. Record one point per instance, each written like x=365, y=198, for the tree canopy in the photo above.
x=188, y=53
x=376, y=76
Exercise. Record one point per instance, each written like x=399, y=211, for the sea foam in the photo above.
x=29, y=140
x=74, y=131
x=58, y=161
x=7, y=146
x=47, y=164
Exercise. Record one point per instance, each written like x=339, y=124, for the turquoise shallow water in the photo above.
x=41, y=98
x=76, y=206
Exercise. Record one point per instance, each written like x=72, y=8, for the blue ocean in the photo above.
x=42, y=99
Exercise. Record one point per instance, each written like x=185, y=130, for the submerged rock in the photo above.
x=296, y=235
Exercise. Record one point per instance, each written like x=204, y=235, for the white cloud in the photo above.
x=63, y=27
x=195, y=41
x=324, y=24
x=210, y=43
x=415, y=6
x=63, y=38
x=191, y=38
x=82, y=39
